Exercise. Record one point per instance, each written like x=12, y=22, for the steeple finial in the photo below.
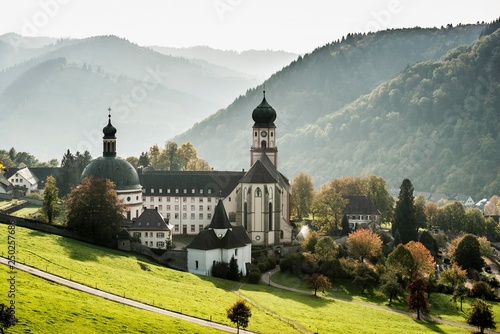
x=264, y=90
x=109, y=113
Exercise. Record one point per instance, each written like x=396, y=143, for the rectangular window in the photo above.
x=192, y=199
x=184, y=208
x=193, y=228
x=201, y=216
x=176, y=191
x=201, y=200
x=168, y=215
x=236, y=252
x=152, y=191
x=184, y=215
x=184, y=199
x=209, y=199
x=176, y=216
x=229, y=198
x=168, y=199
x=160, y=191
x=201, y=191
x=193, y=207
x=192, y=216
x=176, y=228
x=192, y=191
x=196, y=264
x=159, y=199
x=160, y=207
x=152, y=199
x=209, y=191
x=144, y=199
x=137, y=234
x=209, y=207
x=160, y=235
x=185, y=191
x=209, y=216
x=160, y=244
x=176, y=207
x=168, y=207
x=168, y=191
x=200, y=227
x=151, y=206
x=201, y=208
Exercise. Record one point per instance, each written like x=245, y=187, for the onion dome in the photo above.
x=109, y=130
x=117, y=170
x=264, y=115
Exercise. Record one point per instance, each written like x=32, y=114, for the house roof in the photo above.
x=183, y=183
x=43, y=172
x=360, y=204
x=219, y=218
x=205, y=240
x=263, y=171
x=26, y=174
x=150, y=220
x=241, y=233
x=4, y=183
x=231, y=240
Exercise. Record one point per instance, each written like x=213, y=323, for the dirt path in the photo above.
x=266, y=279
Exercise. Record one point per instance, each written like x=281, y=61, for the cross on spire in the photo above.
x=109, y=112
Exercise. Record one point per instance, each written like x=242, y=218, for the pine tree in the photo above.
x=345, y=226
x=405, y=221
x=233, y=273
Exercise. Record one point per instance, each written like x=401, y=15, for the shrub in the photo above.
x=254, y=276
x=220, y=269
x=292, y=263
x=482, y=290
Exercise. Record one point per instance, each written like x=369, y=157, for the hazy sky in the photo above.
x=291, y=25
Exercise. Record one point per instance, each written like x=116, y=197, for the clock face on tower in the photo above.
x=263, y=133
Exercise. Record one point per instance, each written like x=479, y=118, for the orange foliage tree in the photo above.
x=423, y=260
x=363, y=243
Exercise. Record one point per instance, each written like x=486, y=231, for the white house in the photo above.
x=361, y=211
x=24, y=178
x=152, y=229
x=219, y=242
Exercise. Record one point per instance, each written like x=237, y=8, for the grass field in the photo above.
x=44, y=307
x=274, y=311
x=26, y=211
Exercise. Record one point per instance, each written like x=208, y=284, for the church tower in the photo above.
x=109, y=139
x=264, y=133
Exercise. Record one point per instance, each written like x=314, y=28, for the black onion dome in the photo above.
x=264, y=115
x=109, y=130
x=119, y=171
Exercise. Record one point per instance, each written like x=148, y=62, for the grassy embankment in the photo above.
x=203, y=297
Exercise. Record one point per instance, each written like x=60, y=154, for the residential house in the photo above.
x=23, y=178
x=361, y=211
x=152, y=229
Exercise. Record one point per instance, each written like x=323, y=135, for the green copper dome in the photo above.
x=119, y=171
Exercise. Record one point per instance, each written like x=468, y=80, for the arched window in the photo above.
x=270, y=216
x=270, y=191
x=258, y=192
x=245, y=213
x=263, y=144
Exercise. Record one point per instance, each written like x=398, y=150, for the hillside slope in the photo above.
x=316, y=85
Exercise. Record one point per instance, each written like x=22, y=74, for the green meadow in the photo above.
x=135, y=277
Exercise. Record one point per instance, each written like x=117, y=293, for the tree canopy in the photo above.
x=94, y=210
x=364, y=243
x=468, y=253
x=302, y=195
x=239, y=314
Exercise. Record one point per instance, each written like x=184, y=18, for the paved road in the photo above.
x=118, y=299
x=266, y=278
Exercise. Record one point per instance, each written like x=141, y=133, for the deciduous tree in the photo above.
x=454, y=276
x=302, y=194
x=329, y=210
x=424, y=261
x=401, y=261
x=405, y=221
x=239, y=314
x=363, y=243
x=417, y=298
x=94, y=210
x=326, y=249
x=50, y=208
x=318, y=282
x=7, y=318
x=468, y=253
x=391, y=287
x=481, y=315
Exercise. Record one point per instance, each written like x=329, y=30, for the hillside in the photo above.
x=252, y=62
x=74, y=81
x=321, y=84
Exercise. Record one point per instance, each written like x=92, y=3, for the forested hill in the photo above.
x=436, y=123
x=317, y=85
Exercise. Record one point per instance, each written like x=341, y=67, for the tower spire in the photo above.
x=109, y=139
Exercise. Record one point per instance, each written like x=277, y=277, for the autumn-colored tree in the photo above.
x=485, y=247
x=302, y=194
x=431, y=214
x=452, y=246
x=491, y=207
x=424, y=261
x=50, y=208
x=417, y=298
x=94, y=210
x=239, y=314
x=318, y=282
x=364, y=243
x=326, y=249
x=481, y=315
